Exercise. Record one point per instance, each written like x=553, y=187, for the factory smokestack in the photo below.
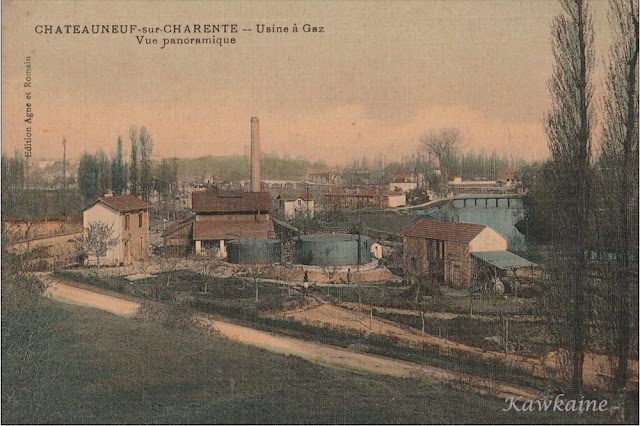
x=255, y=154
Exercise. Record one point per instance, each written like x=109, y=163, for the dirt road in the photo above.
x=68, y=293
x=65, y=291
x=597, y=368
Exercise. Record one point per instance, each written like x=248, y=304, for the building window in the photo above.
x=126, y=222
x=139, y=220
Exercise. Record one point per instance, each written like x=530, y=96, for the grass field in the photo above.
x=68, y=364
x=233, y=300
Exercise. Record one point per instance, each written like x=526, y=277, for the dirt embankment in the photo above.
x=69, y=293
x=597, y=368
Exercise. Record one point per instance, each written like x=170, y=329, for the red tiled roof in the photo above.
x=446, y=231
x=231, y=230
x=122, y=203
x=507, y=175
x=229, y=201
x=404, y=175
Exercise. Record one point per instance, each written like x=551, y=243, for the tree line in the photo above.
x=97, y=174
x=583, y=201
x=438, y=155
x=22, y=200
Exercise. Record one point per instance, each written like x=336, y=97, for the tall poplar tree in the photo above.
x=619, y=177
x=118, y=174
x=146, y=147
x=133, y=165
x=88, y=177
x=568, y=127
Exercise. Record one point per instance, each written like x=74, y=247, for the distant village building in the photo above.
x=450, y=251
x=507, y=179
x=458, y=186
x=406, y=181
x=326, y=178
x=296, y=205
x=222, y=216
x=356, y=198
x=129, y=217
x=452, y=177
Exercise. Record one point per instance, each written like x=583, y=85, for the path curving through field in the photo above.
x=326, y=355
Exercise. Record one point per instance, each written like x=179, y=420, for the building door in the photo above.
x=456, y=274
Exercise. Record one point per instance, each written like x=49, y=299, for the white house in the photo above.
x=128, y=217
x=508, y=179
x=406, y=181
x=300, y=205
x=397, y=199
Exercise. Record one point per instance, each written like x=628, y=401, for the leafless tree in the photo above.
x=257, y=272
x=97, y=240
x=568, y=126
x=443, y=145
x=206, y=266
x=32, y=226
x=416, y=270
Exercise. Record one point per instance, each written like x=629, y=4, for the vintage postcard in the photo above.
x=320, y=212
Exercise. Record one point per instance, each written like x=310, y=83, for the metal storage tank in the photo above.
x=254, y=250
x=332, y=249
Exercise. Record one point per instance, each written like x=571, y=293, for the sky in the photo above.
x=379, y=76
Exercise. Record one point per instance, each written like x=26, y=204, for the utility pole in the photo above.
x=64, y=163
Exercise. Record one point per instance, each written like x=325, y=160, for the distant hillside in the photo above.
x=236, y=167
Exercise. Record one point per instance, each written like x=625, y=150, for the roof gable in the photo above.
x=121, y=203
x=229, y=201
x=294, y=196
x=458, y=232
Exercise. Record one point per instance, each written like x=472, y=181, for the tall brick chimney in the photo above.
x=255, y=154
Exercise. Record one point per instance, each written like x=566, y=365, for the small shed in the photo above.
x=501, y=268
x=503, y=260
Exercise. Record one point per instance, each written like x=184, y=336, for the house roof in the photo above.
x=404, y=176
x=503, y=259
x=458, y=232
x=232, y=229
x=507, y=175
x=177, y=225
x=293, y=197
x=229, y=201
x=121, y=203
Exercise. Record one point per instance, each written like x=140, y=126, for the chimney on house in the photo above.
x=255, y=154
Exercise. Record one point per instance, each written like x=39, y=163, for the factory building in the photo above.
x=452, y=251
x=222, y=216
x=356, y=198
